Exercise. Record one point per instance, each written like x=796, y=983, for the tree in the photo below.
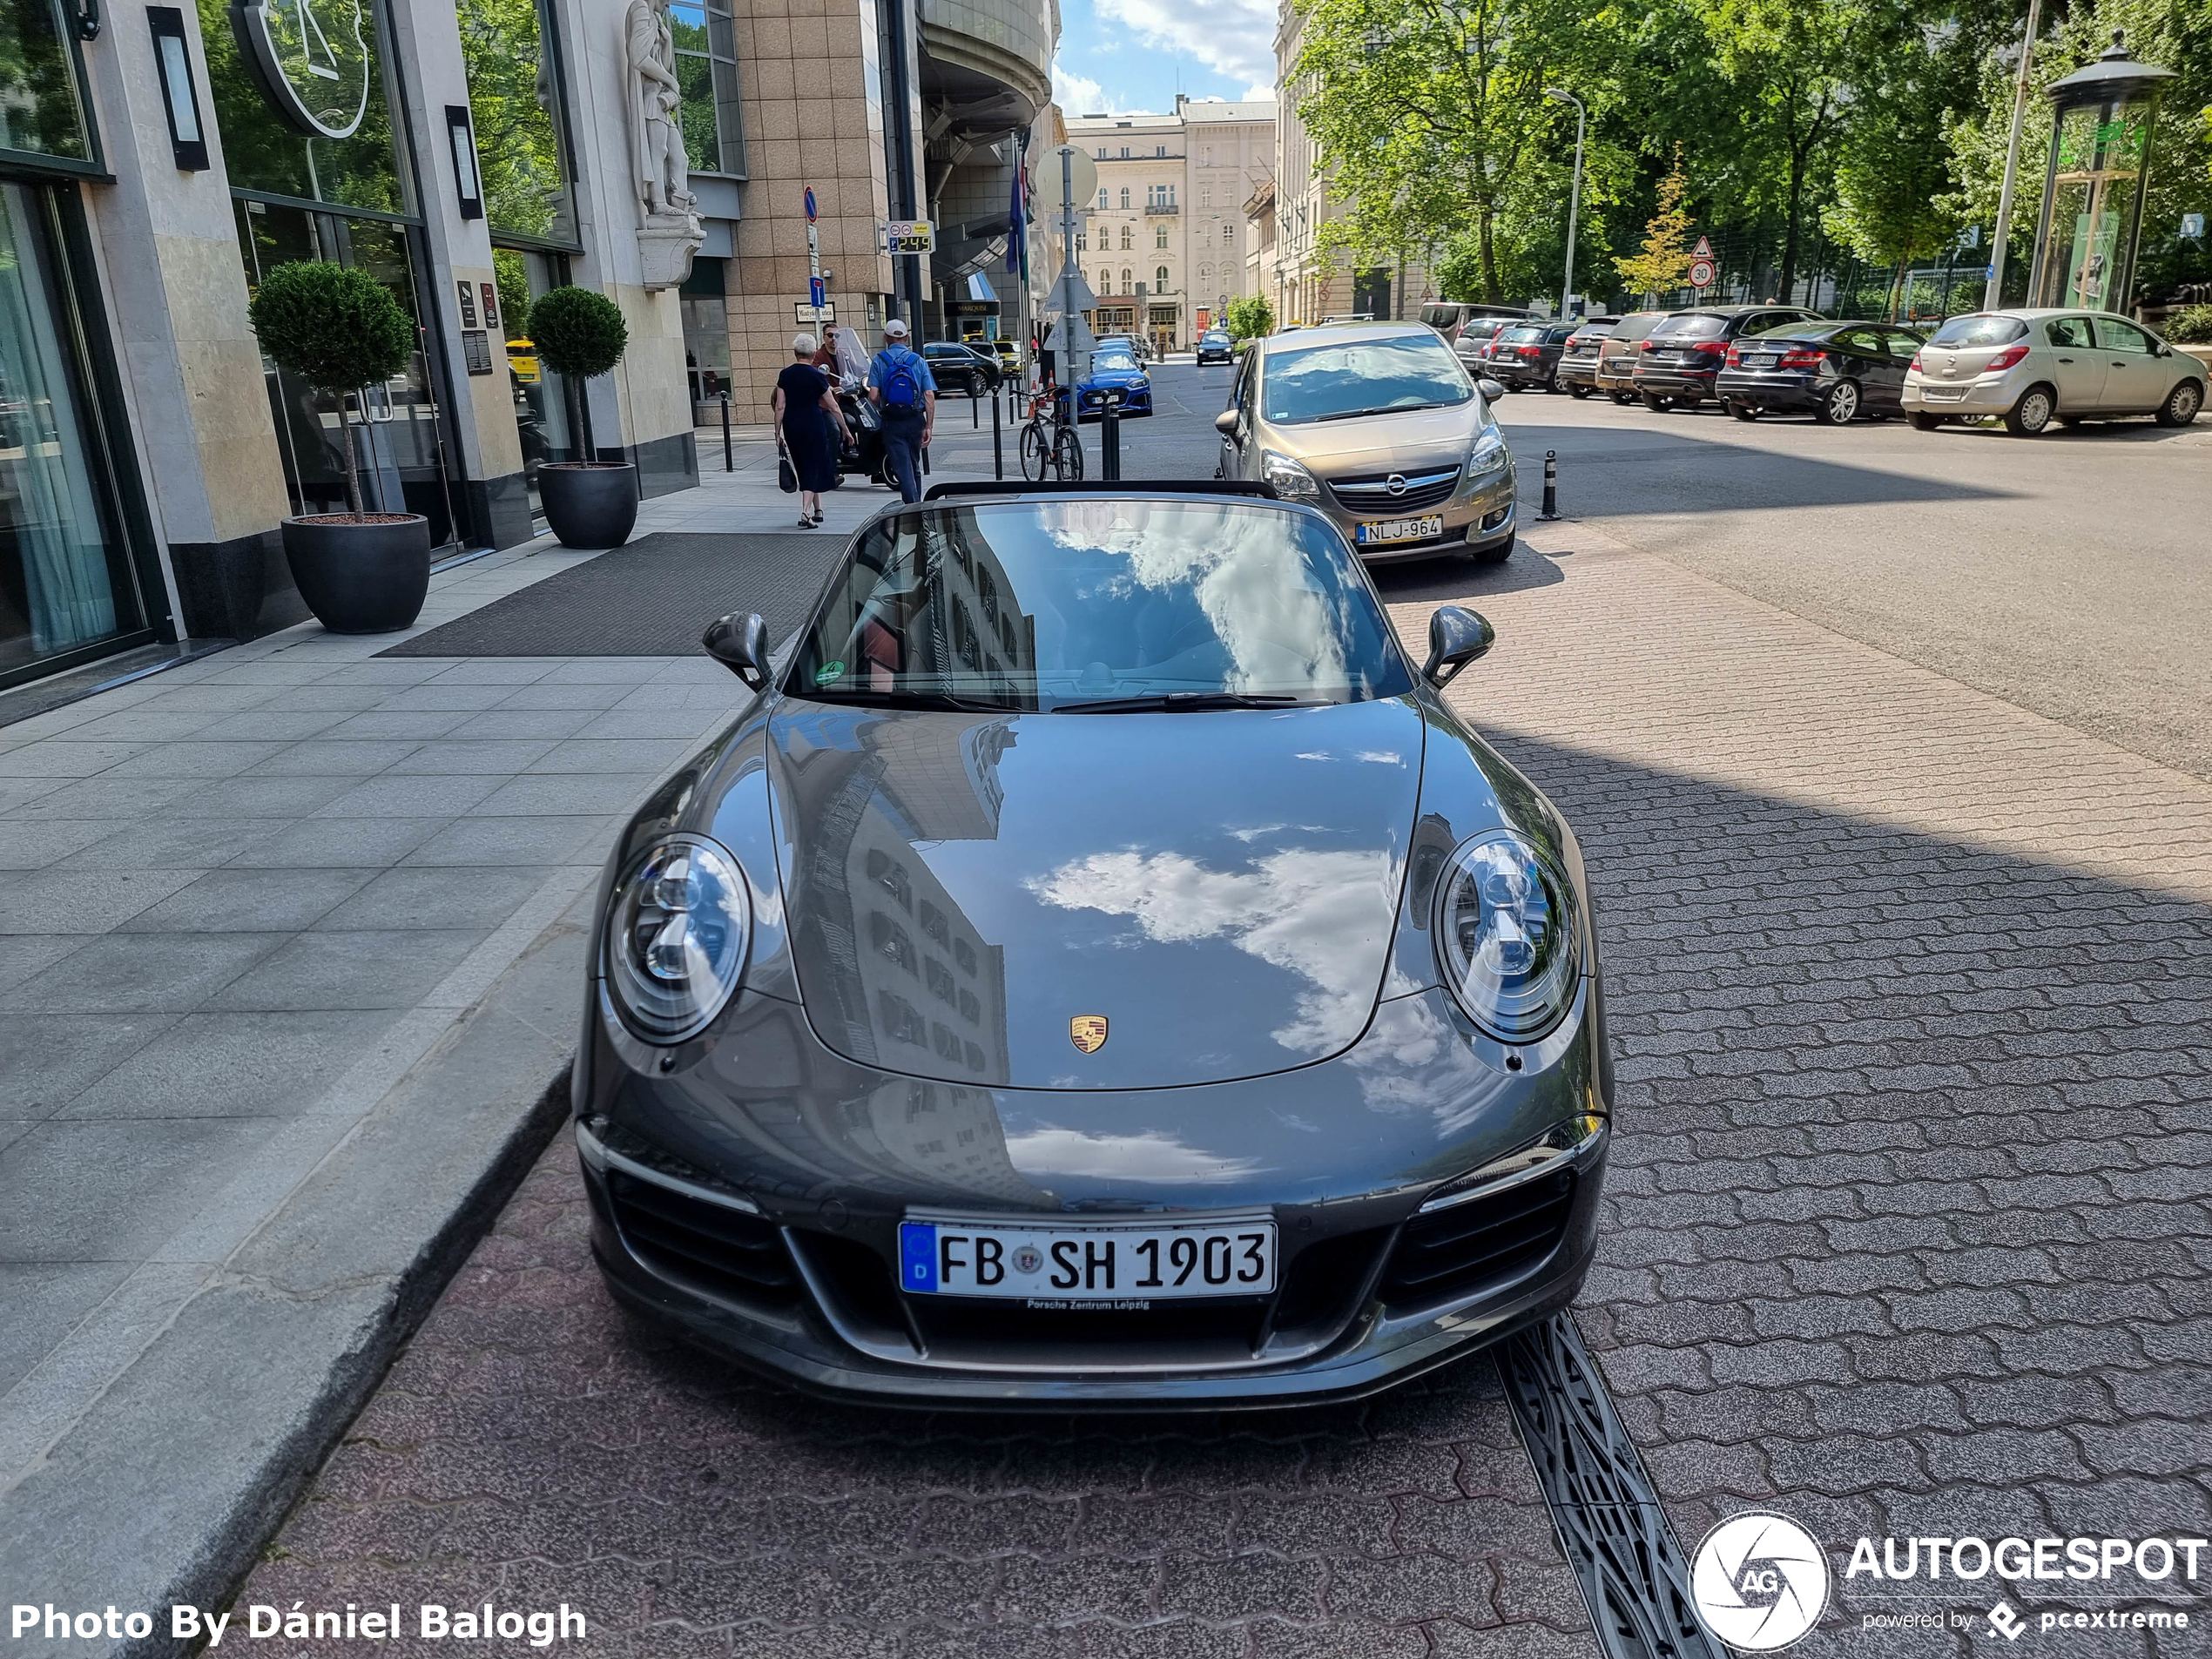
x=579, y=332
x=337, y=330
x=1429, y=116
x=1249, y=316
x=1664, y=262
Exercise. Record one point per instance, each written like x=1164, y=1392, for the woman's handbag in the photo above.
x=786, y=479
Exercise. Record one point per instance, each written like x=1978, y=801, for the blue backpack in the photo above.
x=900, y=388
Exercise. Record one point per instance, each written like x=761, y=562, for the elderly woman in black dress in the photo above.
x=806, y=417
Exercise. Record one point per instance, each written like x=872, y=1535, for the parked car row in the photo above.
x=2028, y=367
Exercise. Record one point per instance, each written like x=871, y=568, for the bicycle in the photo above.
x=1049, y=441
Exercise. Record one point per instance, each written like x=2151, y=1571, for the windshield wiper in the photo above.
x=1387, y=408
x=937, y=700
x=1180, y=702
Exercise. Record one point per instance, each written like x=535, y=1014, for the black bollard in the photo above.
x=974, y=415
x=998, y=453
x=728, y=455
x=1551, y=485
x=1110, y=437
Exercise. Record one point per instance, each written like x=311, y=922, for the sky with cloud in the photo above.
x=1122, y=55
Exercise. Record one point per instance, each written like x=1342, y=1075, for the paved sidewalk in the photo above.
x=289, y=946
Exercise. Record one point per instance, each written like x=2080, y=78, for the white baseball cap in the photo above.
x=894, y=330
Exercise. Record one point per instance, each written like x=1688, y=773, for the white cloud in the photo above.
x=1152, y=1157
x=1076, y=94
x=1235, y=38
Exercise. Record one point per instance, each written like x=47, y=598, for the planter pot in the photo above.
x=588, y=505
x=360, y=578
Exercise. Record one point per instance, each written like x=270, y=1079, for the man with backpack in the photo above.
x=902, y=388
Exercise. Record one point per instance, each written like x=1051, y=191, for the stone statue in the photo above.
x=671, y=232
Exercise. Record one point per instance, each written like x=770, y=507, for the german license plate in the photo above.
x=1666, y=357
x=1760, y=363
x=1170, y=1261
x=1399, y=530
x=1943, y=394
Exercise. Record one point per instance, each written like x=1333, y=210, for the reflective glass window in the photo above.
x=706, y=66
x=514, y=101
x=39, y=108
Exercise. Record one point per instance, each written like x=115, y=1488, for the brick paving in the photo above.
x=1907, y=1233
x=1907, y=1227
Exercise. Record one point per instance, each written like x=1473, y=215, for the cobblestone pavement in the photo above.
x=1906, y=1233
x=1907, y=1227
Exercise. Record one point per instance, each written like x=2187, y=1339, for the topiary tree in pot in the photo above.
x=579, y=332
x=338, y=331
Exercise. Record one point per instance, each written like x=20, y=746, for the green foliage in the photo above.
x=1250, y=316
x=578, y=332
x=1662, y=263
x=334, y=329
x=518, y=150
x=513, y=292
x=1458, y=270
x=2190, y=326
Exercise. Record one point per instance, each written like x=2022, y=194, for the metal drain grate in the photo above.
x=1635, y=1577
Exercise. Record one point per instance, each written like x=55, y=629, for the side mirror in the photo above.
x=1456, y=637
x=1491, y=390
x=1226, y=423
x=741, y=644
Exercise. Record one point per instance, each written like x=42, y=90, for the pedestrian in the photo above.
x=807, y=415
x=902, y=386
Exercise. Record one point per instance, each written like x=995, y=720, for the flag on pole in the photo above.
x=1017, y=227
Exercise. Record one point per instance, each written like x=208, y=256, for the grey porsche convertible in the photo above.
x=1096, y=970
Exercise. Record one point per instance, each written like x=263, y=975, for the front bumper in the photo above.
x=1135, y=402
x=1479, y=517
x=787, y=1172
x=1217, y=357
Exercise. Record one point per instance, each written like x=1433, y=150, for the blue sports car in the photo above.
x=1114, y=367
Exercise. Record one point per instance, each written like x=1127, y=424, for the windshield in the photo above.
x=1798, y=330
x=1979, y=331
x=1525, y=331
x=1045, y=604
x=1115, y=360
x=1694, y=325
x=1337, y=381
x=1638, y=324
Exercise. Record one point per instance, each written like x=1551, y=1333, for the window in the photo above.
x=1160, y=236
x=1102, y=152
x=1127, y=280
x=42, y=116
x=519, y=149
x=1229, y=235
x=707, y=66
x=1125, y=152
x=1126, y=235
x=2067, y=331
x=2116, y=335
x=1206, y=198
x=1159, y=150
x=1101, y=196
x=1125, y=191
x=1160, y=280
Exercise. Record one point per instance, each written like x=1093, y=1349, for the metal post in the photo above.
x=998, y=452
x=728, y=455
x=1109, y=436
x=1993, y=296
x=1551, y=485
x=1574, y=197
x=974, y=415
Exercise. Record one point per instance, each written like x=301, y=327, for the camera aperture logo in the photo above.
x=1759, y=1581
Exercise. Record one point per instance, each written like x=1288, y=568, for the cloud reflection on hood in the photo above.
x=1152, y=1157
x=1311, y=912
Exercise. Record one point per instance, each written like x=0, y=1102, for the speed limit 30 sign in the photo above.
x=1701, y=274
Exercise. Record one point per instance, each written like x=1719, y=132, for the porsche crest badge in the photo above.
x=1088, y=1032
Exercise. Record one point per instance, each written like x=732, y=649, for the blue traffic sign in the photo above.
x=813, y=291
x=810, y=212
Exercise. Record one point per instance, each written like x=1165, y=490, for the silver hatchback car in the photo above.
x=2032, y=367
x=1380, y=426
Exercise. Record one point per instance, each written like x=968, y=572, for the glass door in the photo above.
x=541, y=395
x=399, y=445
x=66, y=581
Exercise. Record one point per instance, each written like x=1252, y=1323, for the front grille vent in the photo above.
x=1484, y=1241
x=1371, y=494
x=715, y=1249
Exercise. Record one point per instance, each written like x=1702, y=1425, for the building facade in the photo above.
x=155, y=163
x=1164, y=248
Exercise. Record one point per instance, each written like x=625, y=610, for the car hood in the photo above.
x=1381, y=442
x=967, y=894
x=1115, y=377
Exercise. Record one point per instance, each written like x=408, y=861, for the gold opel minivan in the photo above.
x=1380, y=426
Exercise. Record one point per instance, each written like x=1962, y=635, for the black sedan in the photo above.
x=1098, y=968
x=962, y=370
x=1578, y=359
x=1527, y=355
x=1216, y=345
x=1833, y=371
x=1677, y=362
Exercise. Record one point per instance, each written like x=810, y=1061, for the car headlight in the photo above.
x=678, y=927
x=1291, y=480
x=1489, y=454
x=1508, y=937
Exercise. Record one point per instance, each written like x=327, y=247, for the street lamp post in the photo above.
x=1574, y=195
